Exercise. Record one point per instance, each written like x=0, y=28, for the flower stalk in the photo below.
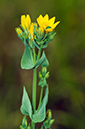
x=34, y=89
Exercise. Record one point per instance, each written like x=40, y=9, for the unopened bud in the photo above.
x=48, y=115
x=24, y=121
x=40, y=75
x=44, y=70
x=47, y=75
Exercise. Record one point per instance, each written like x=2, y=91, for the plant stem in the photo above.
x=34, y=93
x=34, y=86
x=41, y=94
x=34, y=89
x=34, y=54
x=39, y=52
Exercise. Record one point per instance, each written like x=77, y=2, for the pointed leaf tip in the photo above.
x=26, y=108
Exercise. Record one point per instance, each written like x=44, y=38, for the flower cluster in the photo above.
x=36, y=34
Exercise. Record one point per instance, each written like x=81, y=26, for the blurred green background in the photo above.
x=66, y=55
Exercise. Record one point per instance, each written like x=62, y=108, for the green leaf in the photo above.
x=51, y=122
x=27, y=59
x=21, y=127
x=48, y=124
x=39, y=116
x=45, y=62
x=42, y=61
x=25, y=43
x=26, y=108
x=42, y=82
x=23, y=111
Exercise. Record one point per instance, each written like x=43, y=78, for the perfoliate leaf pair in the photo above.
x=26, y=107
x=28, y=61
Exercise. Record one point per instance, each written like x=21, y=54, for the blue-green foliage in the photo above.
x=26, y=107
x=28, y=61
x=40, y=115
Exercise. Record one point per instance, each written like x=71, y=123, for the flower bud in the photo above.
x=19, y=32
x=48, y=115
x=51, y=37
x=40, y=75
x=44, y=70
x=24, y=122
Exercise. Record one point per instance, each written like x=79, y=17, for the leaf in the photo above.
x=42, y=61
x=23, y=111
x=26, y=108
x=42, y=82
x=27, y=59
x=39, y=116
x=45, y=63
x=25, y=43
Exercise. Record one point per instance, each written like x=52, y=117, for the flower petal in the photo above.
x=54, y=25
x=46, y=18
x=23, y=21
x=51, y=21
x=40, y=20
x=28, y=21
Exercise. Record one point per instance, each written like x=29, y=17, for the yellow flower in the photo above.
x=31, y=31
x=19, y=31
x=46, y=23
x=25, y=21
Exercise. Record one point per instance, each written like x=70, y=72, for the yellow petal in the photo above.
x=54, y=25
x=28, y=21
x=45, y=21
x=51, y=21
x=40, y=20
x=46, y=17
x=23, y=21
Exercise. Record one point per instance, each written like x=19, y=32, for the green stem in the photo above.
x=41, y=95
x=34, y=93
x=34, y=89
x=34, y=54
x=39, y=52
x=34, y=86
